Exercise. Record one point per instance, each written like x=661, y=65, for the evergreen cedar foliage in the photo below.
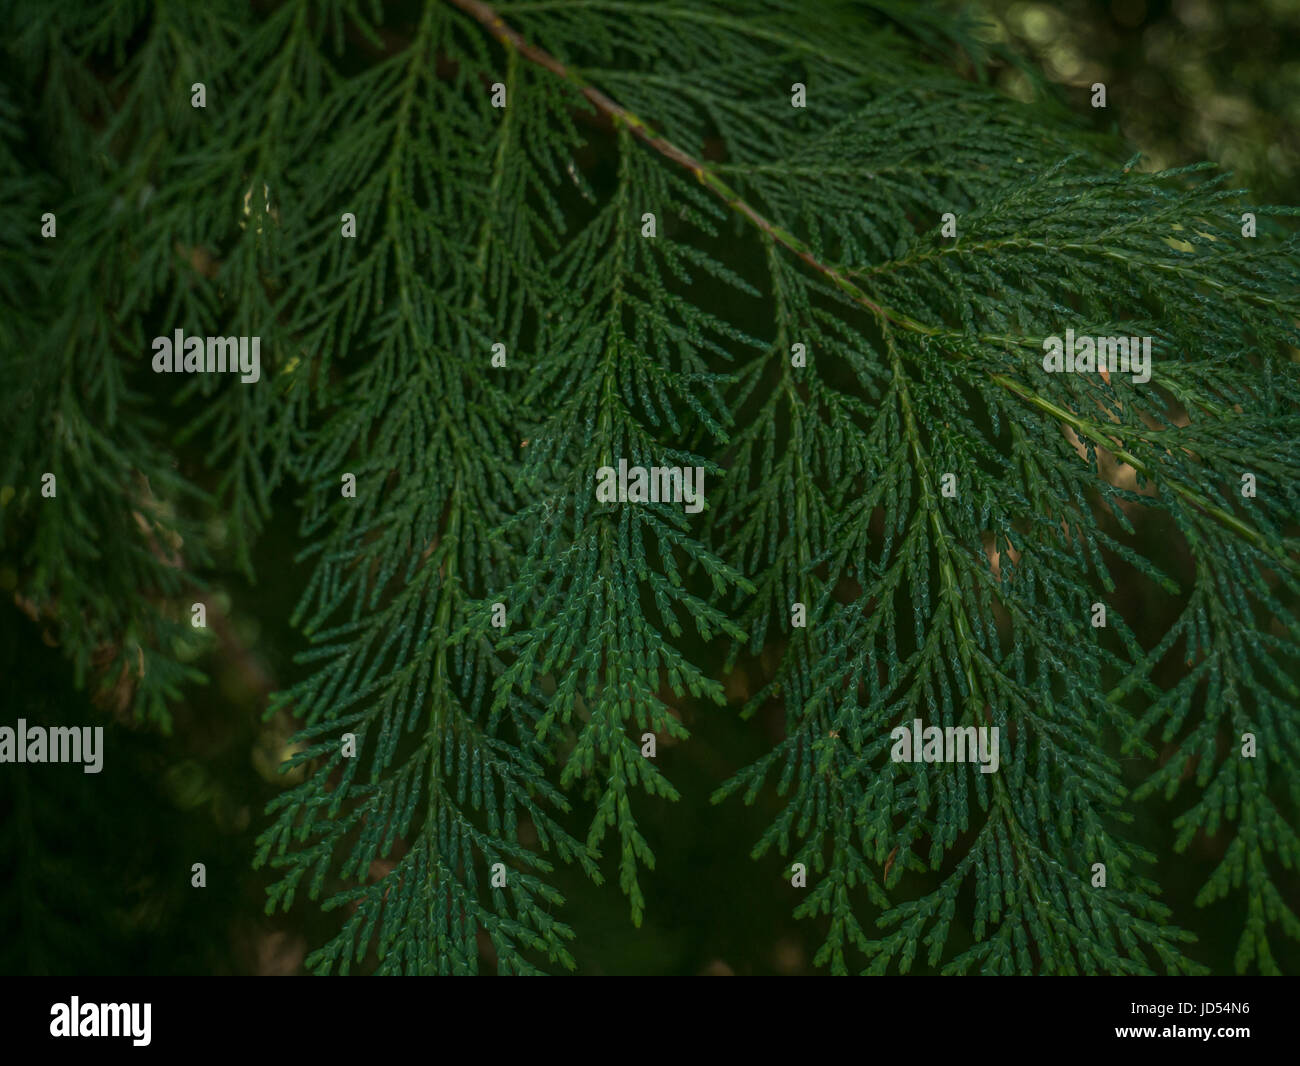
x=523, y=226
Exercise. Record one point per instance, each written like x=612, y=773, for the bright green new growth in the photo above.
x=479, y=225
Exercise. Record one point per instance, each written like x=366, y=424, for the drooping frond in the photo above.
x=808, y=272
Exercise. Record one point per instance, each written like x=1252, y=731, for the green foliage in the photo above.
x=479, y=745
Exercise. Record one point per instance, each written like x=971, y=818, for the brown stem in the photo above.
x=617, y=113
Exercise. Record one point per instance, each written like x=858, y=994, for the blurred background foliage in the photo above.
x=95, y=870
x=1186, y=80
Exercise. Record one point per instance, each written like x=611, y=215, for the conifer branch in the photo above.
x=898, y=524
x=1098, y=436
x=621, y=116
